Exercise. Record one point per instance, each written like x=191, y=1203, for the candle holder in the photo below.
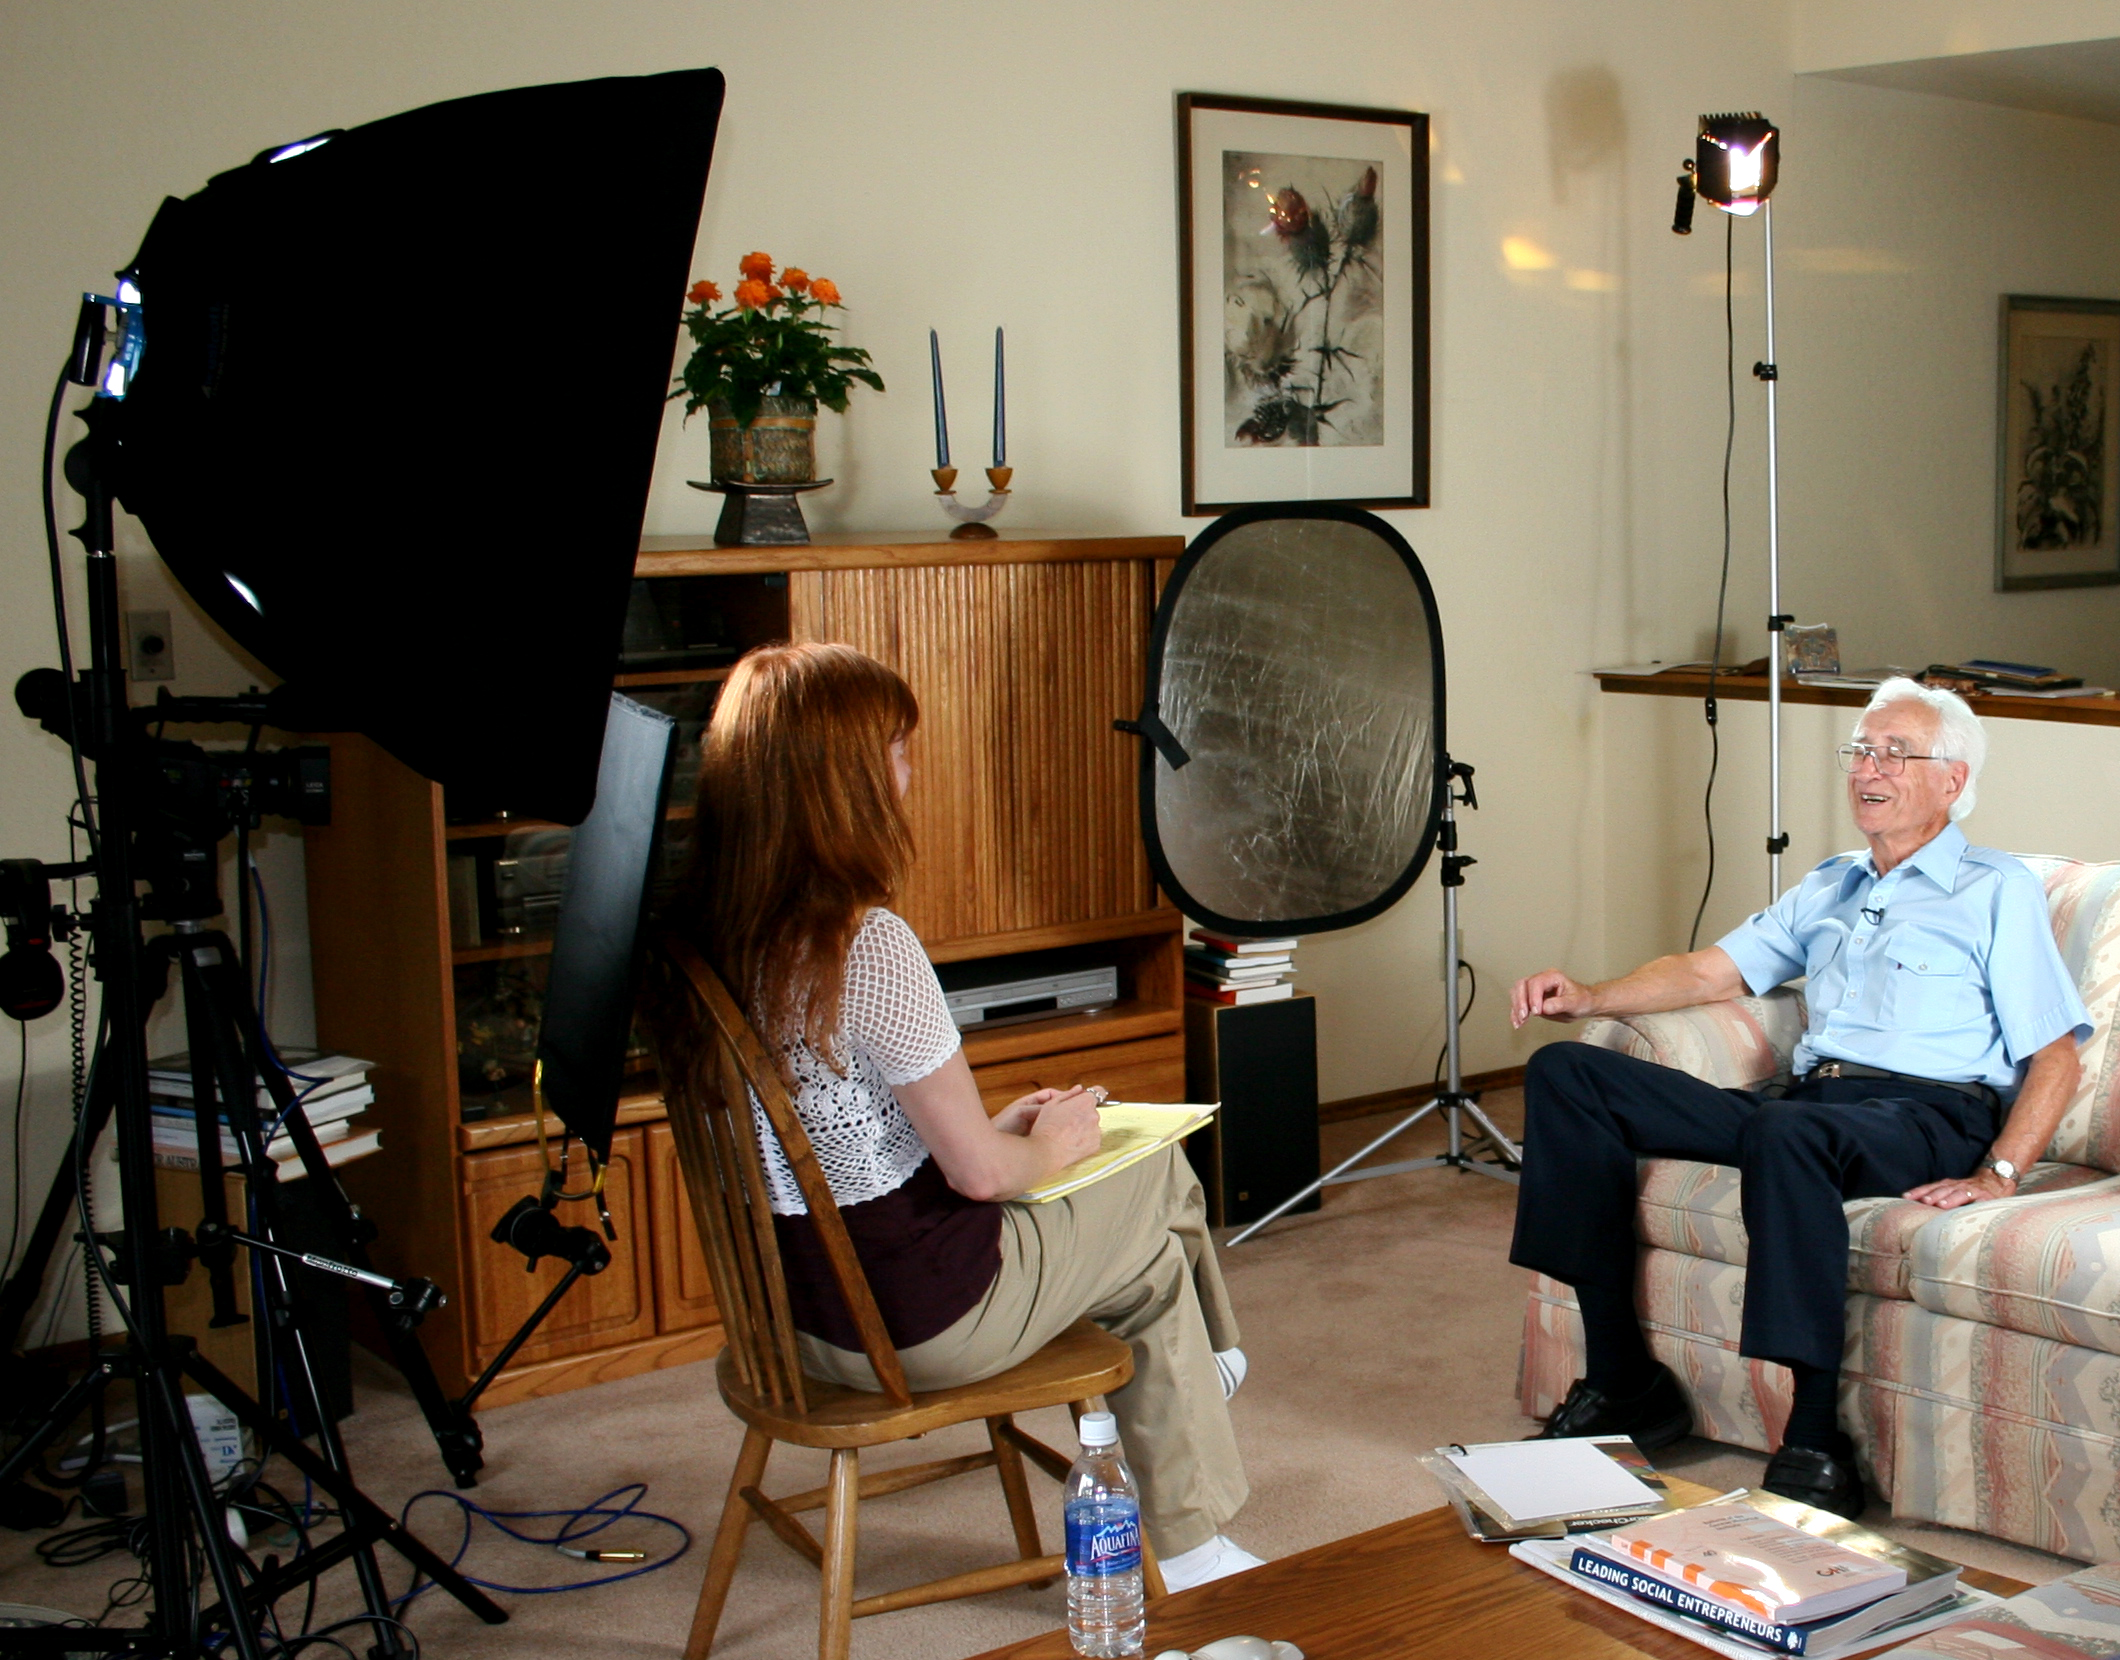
x=972, y=521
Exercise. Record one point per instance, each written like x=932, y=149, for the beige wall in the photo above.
x=1011, y=163
x=1902, y=220
x=1841, y=34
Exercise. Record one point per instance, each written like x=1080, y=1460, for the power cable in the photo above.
x=569, y=1536
x=1722, y=589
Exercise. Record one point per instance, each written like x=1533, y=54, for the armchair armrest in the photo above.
x=1740, y=1044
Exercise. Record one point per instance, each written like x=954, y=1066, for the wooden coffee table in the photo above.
x=1412, y=1588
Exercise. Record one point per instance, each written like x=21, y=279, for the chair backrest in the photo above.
x=711, y=1120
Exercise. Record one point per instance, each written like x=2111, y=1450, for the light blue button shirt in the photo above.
x=1943, y=968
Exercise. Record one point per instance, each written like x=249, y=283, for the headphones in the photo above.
x=31, y=983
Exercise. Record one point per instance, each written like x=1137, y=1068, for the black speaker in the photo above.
x=1261, y=1062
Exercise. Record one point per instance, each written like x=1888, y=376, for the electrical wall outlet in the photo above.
x=154, y=654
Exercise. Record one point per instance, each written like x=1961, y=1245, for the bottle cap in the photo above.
x=1098, y=1429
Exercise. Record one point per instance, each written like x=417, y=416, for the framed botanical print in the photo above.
x=1303, y=303
x=2057, y=519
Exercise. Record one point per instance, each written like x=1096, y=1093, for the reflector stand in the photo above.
x=1451, y=1101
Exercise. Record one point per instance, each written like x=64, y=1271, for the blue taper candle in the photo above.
x=1000, y=406
x=942, y=417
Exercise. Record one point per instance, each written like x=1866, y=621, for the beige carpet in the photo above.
x=1386, y=1324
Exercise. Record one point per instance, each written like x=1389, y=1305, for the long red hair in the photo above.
x=799, y=831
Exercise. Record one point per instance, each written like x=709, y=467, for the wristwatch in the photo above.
x=2002, y=1167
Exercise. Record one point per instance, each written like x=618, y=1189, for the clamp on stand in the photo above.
x=1451, y=1101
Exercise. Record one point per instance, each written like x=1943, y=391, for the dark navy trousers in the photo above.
x=1589, y=1113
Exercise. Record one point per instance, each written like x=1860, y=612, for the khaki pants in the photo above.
x=1133, y=1254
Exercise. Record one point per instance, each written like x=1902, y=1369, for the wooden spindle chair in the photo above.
x=760, y=1373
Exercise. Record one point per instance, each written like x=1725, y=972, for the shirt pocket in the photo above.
x=1929, y=981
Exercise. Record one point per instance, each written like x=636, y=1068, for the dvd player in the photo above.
x=1025, y=996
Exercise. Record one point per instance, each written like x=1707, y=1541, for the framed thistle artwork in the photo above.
x=2057, y=508
x=1303, y=303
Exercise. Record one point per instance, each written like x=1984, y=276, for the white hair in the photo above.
x=1959, y=734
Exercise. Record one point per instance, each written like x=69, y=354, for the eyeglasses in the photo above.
x=1890, y=761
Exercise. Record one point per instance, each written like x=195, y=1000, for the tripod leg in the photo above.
x=228, y=1024
x=61, y=1414
x=27, y=1283
x=359, y=1508
x=160, y=1396
x=1502, y=1144
x=1326, y=1180
x=455, y=1431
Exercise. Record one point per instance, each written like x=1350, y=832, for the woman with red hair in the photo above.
x=800, y=843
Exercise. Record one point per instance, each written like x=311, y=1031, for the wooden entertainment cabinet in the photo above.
x=1022, y=650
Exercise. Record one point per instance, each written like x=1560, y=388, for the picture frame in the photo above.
x=2057, y=469
x=1303, y=303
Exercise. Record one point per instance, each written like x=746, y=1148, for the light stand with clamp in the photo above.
x=133, y=839
x=1451, y=1101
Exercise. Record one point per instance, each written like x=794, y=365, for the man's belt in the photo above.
x=1983, y=1093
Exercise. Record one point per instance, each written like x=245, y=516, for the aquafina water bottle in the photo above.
x=1103, y=1545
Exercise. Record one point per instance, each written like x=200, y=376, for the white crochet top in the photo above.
x=894, y=1028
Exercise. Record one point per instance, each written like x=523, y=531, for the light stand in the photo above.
x=1769, y=373
x=1451, y=1101
x=1736, y=164
x=135, y=839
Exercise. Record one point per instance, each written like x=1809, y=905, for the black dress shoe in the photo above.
x=1817, y=1479
x=1654, y=1417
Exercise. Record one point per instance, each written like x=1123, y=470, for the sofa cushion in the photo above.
x=1695, y=1208
x=2046, y=1264
x=2084, y=902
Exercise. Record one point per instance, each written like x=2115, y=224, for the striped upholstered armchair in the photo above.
x=1982, y=1372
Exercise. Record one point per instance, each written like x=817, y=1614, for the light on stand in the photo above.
x=1736, y=160
x=1736, y=164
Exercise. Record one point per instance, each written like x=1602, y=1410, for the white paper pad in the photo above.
x=1536, y=1479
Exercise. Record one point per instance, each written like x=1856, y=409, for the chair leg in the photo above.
x=728, y=1542
x=835, y=1615
x=1023, y=1517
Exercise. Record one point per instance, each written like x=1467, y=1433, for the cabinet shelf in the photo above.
x=501, y=951
x=671, y=677
x=1130, y=1018
x=485, y=829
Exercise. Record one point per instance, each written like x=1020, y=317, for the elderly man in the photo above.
x=1940, y=1055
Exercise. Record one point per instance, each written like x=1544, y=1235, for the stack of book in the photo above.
x=1508, y=1490
x=332, y=1090
x=1223, y=968
x=1990, y=674
x=1751, y=1571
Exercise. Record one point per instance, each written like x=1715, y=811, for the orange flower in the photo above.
x=795, y=279
x=824, y=291
x=775, y=293
x=753, y=296
x=702, y=293
x=758, y=267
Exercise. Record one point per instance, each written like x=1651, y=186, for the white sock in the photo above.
x=1217, y=1559
x=1232, y=1365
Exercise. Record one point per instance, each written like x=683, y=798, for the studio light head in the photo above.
x=397, y=413
x=1736, y=160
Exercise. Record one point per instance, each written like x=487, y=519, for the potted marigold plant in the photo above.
x=761, y=365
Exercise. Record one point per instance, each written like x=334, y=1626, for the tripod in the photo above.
x=140, y=830
x=1451, y=1101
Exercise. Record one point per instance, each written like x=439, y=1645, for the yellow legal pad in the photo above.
x=1132, y=1131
